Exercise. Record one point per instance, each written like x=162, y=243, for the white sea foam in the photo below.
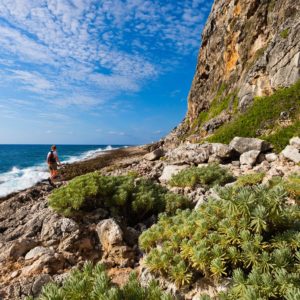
x=19, y=179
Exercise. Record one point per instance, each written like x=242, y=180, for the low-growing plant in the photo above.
x=264, y=113
x=92, y=283
x=208, y=176
x=285, y=33
x=250, y=179
x=250, y=234
x=123, y=195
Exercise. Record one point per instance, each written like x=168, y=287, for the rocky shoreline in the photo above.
x=38, y=245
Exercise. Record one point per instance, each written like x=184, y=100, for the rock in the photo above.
x=200, y=201
x=68, y=225
x=190, y=154
x=39, y=282
x=110, y=234
x=291, y=153
x=295, y=142
x=154, y=155
x=270, y=157
x=242, y=145
x=236, y=163
x=170, y=171
x=20, y=247
x=261, y=158
x=249, y=158
x=38, y=251
x=221, y=150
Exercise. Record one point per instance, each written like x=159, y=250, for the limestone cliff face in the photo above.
x=249, y=48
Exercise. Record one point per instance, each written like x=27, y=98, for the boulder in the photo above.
x=154, y=155
x=295, y=142
x=38, y=251
x=221, y=150
x=270, y=157
x=170, y=171
x=68, y=225
x=249, y=158
x=291, y=153
x=20, y=247
x=39, y=282
x=242, y=145
x=110, y=234
x=190, y=154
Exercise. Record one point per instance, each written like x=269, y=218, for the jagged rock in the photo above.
x=249, y=158
x=270, y=157
x=68, y=225
x=50, y=262
x=295, y=142
x=190, y=154
x=221, y=150
x=154, y=155
x=242, y=145
x=38, y=251
x=291, y=153
x=110, y=234
x=170, y=171
x=20, y=247
x=39, y=282
x=131, y=236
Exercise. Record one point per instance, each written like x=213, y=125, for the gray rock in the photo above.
x=249, y=158
x=292, y=154
x=110, y=234
x=20, y=247
x=154, y=155
x=242, y=145
x=295, y=142
x=39, y=282
x=68, y=225
x=38, y=251
x=190, y=154
x=221, y=150
x=270, y=157
x=170, y=171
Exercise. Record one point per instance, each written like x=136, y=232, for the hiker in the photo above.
x=53, y=161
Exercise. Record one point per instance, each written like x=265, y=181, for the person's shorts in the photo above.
x=53, y=167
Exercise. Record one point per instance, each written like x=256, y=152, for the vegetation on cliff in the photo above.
x=250, y=234
x=122, y=195
x=92, y=283
x=263, y=116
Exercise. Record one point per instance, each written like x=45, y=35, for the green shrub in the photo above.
x=285, y=33
x=123, y=195
x=209, y=176
x=292, y=185
x=264, y=114
x=250, y=179
x=250, y=234
x=92, y=283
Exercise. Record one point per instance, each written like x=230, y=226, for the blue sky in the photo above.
x=96, y=72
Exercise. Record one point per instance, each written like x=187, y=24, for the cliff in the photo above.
x=249, y=48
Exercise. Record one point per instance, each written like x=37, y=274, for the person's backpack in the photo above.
x=51, y=158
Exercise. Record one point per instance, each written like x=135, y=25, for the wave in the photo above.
x=19, y=179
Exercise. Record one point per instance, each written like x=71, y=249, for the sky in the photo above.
x=96, y=72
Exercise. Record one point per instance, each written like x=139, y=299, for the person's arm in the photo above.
x=57, y=159
x=48, y=159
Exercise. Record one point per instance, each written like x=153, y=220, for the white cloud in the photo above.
x=109, y=46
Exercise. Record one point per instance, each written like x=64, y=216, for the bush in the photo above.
x=250, y=179
x=122, y=195
x=208, y=176
x=264, y=113
x=251, y=234
x=92, y=283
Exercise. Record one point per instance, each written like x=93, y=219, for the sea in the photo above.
x=22, y=166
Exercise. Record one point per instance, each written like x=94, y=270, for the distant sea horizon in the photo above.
x=24, y=165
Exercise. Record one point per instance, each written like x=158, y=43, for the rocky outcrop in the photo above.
x=249, y=48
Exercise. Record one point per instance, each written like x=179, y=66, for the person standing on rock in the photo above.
x=53, y=161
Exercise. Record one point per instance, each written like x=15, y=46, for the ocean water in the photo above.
x=22, y=166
